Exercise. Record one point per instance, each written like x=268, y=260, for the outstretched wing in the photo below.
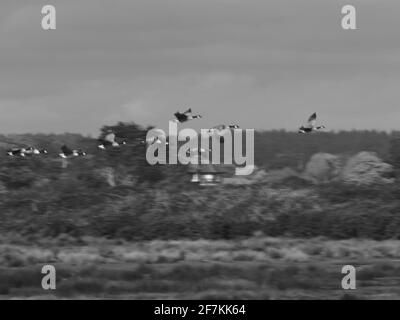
x=312, y=120
x=66, y=150
x=188, y=111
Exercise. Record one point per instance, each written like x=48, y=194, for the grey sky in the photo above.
x=263, y=64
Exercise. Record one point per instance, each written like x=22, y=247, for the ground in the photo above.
x=252, y=268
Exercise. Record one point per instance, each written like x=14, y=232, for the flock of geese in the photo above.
x=111, y=141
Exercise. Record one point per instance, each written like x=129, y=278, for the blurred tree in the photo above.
x=322, y=167
x=394, y=153
x=367, y=168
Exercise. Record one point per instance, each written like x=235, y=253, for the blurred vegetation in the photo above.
x=257, y=267
x=116, y=194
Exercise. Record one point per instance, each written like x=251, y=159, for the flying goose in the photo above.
x=34, y=151
x=109, y=141
x=22, y=152
x=80, y=153
x=222, y=127
x=185, y=116
x=157, y=140
x=311, y=125
x=199, y=151
x=16, y=152
x=69, y=153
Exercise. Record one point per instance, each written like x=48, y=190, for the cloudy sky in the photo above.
x=264, y=64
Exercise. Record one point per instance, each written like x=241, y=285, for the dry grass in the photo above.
x=256, y=268
x=251, y=249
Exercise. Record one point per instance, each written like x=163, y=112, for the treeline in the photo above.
x=116, y=194
x=335, y=211
x=279, y=149
x=273, y=149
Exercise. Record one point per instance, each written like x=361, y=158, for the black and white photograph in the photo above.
x=199, y=150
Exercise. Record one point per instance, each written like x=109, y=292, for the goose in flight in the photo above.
x=185, y=116
x=16, y=152
x=156, y=136
x=197, y=151
x=157, y=140
x=34, y=151
x=69, y=153
x=220, y=129
x=80, y=152
x=22, y=152
x=109, y=141
x=311, y=125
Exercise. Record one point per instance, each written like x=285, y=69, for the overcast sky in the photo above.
x=264, y=64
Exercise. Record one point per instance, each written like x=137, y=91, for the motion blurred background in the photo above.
x=116, y=227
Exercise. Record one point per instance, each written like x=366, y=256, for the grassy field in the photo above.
x=251, y=268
